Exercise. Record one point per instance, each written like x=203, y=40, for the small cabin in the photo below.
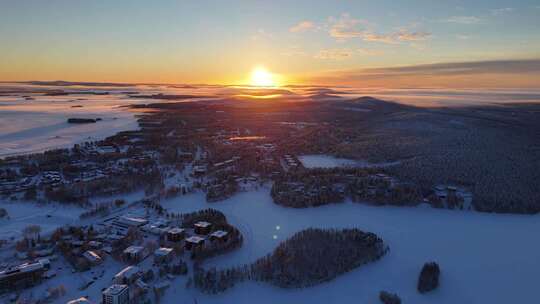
x=134, y=253
x=163, y=254
x=176, y=234
x=194, y=242
x=202, y=228
x=219, y=235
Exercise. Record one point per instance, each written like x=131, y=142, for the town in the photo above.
x=179, y=151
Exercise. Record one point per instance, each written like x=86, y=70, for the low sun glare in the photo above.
x=261, y=77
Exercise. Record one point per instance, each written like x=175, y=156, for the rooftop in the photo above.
x=163, y=251
x=176, y=230
x=114, y=289
x=202, y=224
x=133, y=249
x=195, y=239
x=219, y=233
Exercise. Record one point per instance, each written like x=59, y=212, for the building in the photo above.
x=194, y=242
x=219, y=235
x=176, y=234
x=202, y=228
x=128, y=275
x=199, y=170
x=81, y=300
x=116, y=294
x=163, y=254
x=24, y=275
x=134, y=253
x=132, y=221
x=92, y=257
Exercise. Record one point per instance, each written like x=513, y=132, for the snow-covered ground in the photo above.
x=328, y=161
x=48, y=217
x=485, y=258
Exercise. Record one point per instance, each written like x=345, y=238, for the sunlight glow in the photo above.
x=260, y=77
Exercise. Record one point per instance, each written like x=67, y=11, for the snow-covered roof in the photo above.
x=202, y=224
x=195, y=239
x=133, y=249
x=219, y=233
x=132, y=221
x=81, y=300
x=176, y=230
x=91, y=256
x=127, y=272
x=115, y=289
x=163, y=251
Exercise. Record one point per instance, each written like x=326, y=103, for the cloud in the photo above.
x=404, y=35
x=396, y=37
x=501, y=11
x=463, y=37
x=261, y=35
x=494, y=73
x=379, y=38
x=303, y=26
x=460, y=68
x=369, y=52
x=345, y=27
x=334, y=54
x=463, y=20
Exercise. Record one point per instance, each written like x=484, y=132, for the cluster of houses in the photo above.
x=289, y=162
x=13, y=186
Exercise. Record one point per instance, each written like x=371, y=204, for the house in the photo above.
x=106, y=150
x=116, y=294
x=163, y=254
x=451, y=189
x=194, y=242
x=219, y=235
x=92, y=257
x=199, y=170
x=127, y=275
x=202, y=227
x=175, y=234
x=134, y=253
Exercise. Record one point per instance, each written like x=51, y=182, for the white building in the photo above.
x=128, y=275
x=116, y=294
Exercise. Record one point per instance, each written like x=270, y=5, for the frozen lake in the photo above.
x=28, y=126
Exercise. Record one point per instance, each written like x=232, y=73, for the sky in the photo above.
x=387, y=43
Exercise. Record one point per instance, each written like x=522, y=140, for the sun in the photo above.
x=260, y=77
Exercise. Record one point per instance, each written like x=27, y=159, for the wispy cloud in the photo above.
x=345, y=27
x=303, y=26
x=369, y=52
x=334, y=54
x=453, y=74
x=501, y=11
x=402, y=35
x=463, y=37
x=261, y=34
x=463, y=20
x=462, y=68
